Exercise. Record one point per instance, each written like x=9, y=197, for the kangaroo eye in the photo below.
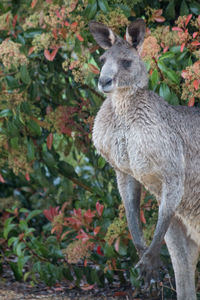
x=102, y=60
x=126, y=63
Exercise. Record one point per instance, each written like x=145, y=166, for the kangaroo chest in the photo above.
x=110, y=138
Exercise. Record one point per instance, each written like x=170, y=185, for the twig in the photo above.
x=85, y=86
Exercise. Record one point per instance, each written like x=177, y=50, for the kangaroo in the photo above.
x=149, y=142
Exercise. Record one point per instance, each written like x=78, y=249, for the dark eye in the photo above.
x=102, y=60
x=126, y=63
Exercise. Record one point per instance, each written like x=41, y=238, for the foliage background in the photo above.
x=61, y=216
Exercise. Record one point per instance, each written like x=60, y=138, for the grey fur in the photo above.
x=149, y=142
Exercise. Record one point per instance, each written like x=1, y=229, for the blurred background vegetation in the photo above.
x=60, y=212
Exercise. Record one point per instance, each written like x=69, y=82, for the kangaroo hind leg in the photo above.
x=184, y=254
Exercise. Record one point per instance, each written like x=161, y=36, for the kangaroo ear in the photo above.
x=135, y=33
x=102, y=34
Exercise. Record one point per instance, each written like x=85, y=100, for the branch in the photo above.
x=85, y=86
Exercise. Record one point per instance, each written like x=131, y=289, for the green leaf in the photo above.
x=184, y=10
x=170, y=10
x=33, y=214
x=16, y=271
x=173, y=76
x=14, y=142
x=154, y=78
x=30, y=150
x=19, y=248
x=134, y=277
x=31, y=33
x=91, y=9
x=12, y=82
x=122, y=249
x=12, y=240
x=103, y=4
x=34, y=127
x=166, y=55
x=8, y=226
x=25, y=74
x=66, y=169
x=5, y=113
x=21, y=261
x=101, y=162
x=195, y=8
x=164, y=91
x=49, y=159
x=109, y=251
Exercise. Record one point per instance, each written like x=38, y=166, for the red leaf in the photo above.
x=116, y=246
x=83, y=236
x=51, y=213
x=93, y=69
x=50, y=141
x=33, y=3
x=99, y=208
x=79, y=37
x=159, y=19
x=87, y=287
x=120, y=293
x=74, y=24
x=53, y=54
x=54, y=32
x=99, y=251
x=142, y=217
x=47, y=54
x=88, y=215
x=191, y=102
x=50, y=56
x=14, y=21
x=67, y=23
x=158, y=12
x=195, y=43
x=165, y=49
x=49, y=1
x=27, y=177
x=31, y=50
x=177, y=29
x=182, y=47
x=196, y=84
x=188, y=19
x=58, y=14
x=184, y=74
x=85, y=262
x=96, y=230
x=2, y=179
x=194, y=34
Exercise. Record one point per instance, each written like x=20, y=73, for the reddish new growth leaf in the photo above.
x=83, y=236
x=50, y=56
x=191, y=102
x=99, y=251
x=31, y=50
x=116, y=245
x=88, y=216
x=93, y=69
x=177, y=29
x=51, y=212
x=142, y=217
x=79, y=37
x=96, y=230
x=2, y=179
x=50, y=141
x=87, y=287
x=196, y=84
x=14, y=21
x=188, y=19
x=99, y=208
x=33, y=3
x=157, y=16
x=182, y=47
x=27, y=177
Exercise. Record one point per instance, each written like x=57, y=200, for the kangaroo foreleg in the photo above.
x=130, y=191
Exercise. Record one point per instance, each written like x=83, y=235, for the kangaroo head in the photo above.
x=122, y=66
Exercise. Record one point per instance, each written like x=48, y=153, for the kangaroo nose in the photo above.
x=105, y=82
